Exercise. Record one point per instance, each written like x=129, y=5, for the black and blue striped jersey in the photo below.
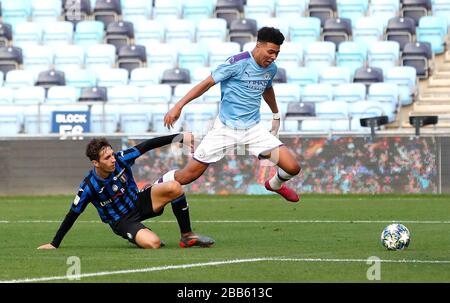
x=113, y=197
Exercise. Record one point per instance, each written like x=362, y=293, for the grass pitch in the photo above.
x=324, y=238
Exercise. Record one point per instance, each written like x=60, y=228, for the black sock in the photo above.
x=180, y=209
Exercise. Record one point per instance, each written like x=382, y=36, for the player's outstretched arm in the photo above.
x=69, y=220
x=174, y=113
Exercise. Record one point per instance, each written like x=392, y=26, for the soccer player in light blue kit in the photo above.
x=244, y=78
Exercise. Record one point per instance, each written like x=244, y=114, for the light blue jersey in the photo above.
x=242, y=83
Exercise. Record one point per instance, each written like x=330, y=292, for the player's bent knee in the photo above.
x=153, y=244
x=147, y=239
x=174, y=189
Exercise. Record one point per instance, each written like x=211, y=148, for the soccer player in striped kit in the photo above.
x=244, y=79
x=111, y=188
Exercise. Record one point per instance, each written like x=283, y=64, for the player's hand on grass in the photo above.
x=46, y=246
x=172, y=116
x=275, y=126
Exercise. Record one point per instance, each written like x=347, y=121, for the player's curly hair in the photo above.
x=270, y=34
x=95, y=146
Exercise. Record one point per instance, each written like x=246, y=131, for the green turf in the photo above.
x=272, y=240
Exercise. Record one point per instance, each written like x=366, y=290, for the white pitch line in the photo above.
x=216, y=263
x=245, y=221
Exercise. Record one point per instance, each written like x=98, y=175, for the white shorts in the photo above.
x=222, y=140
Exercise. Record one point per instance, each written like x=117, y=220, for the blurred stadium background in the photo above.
x=80, y=68
x=74, y=69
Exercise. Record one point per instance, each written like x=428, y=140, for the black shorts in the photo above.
x=128, y=226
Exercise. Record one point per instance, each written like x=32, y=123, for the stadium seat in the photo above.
x=196, y=11
x=27, y=34
x=432, y=29
x=100, y=56
x=38, y=58
x=123, y=94
x=57, y=33
x=364, y=109
x=337, y=30
x=320, y=55
x=279, y=23
x=349, y=92
x=286, y=93
x=89, y=32
x=259, y=10
x=405, y=78
x=107, y=11
x=130, y=57
x=49, y=78
x=62, y=95
x=300, y=109
x=243, y=30
x=280, y=76
x=441, y=8
x=119, y=33
x=229, y=10
x=10, y=58
x=137, y=10
x=143, y=76
x=401, y=30
x=19, y=78
x=352, y=9
x=112, y=77
x=367, y=30
x=161, y=56
x=45, y=11
x=69, y=57
x=158, y=111
x=415, y=9
x=167, y=11
x=175, y=76
x=368, y=75
x=420, y=56
x=16, y=11
x=180, y=32
x=383, y=54
x=6, y=95
x=149, y=31
x=135, y=119
x=303, y=76
x=315, y=125
x=384, y=10
x=10, y=120
x=5, y=34
x=332, y=110
x=351, y=55
x=289, y=9
x=220, y=52
x=304, y=30
x=200, y=74
x=317, y=93
x=211, y=30
x=29, y=95
x=291, y=55
x=322, y=9
x=335, y=75
x=80, y=78
x=156, y=94
x=192, y=56
x=199, y=117
x=76, y=10
x=181, y=90
x=212, y=95
x=104, y=118
x=387, y=95
x=96, y=93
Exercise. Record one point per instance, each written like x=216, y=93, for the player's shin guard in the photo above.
x=280, y=177
x=180, y=209
x=169, y=176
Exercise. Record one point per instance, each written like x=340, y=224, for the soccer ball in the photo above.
x=395, y=237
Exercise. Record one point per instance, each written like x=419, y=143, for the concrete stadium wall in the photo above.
x=393, y=164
